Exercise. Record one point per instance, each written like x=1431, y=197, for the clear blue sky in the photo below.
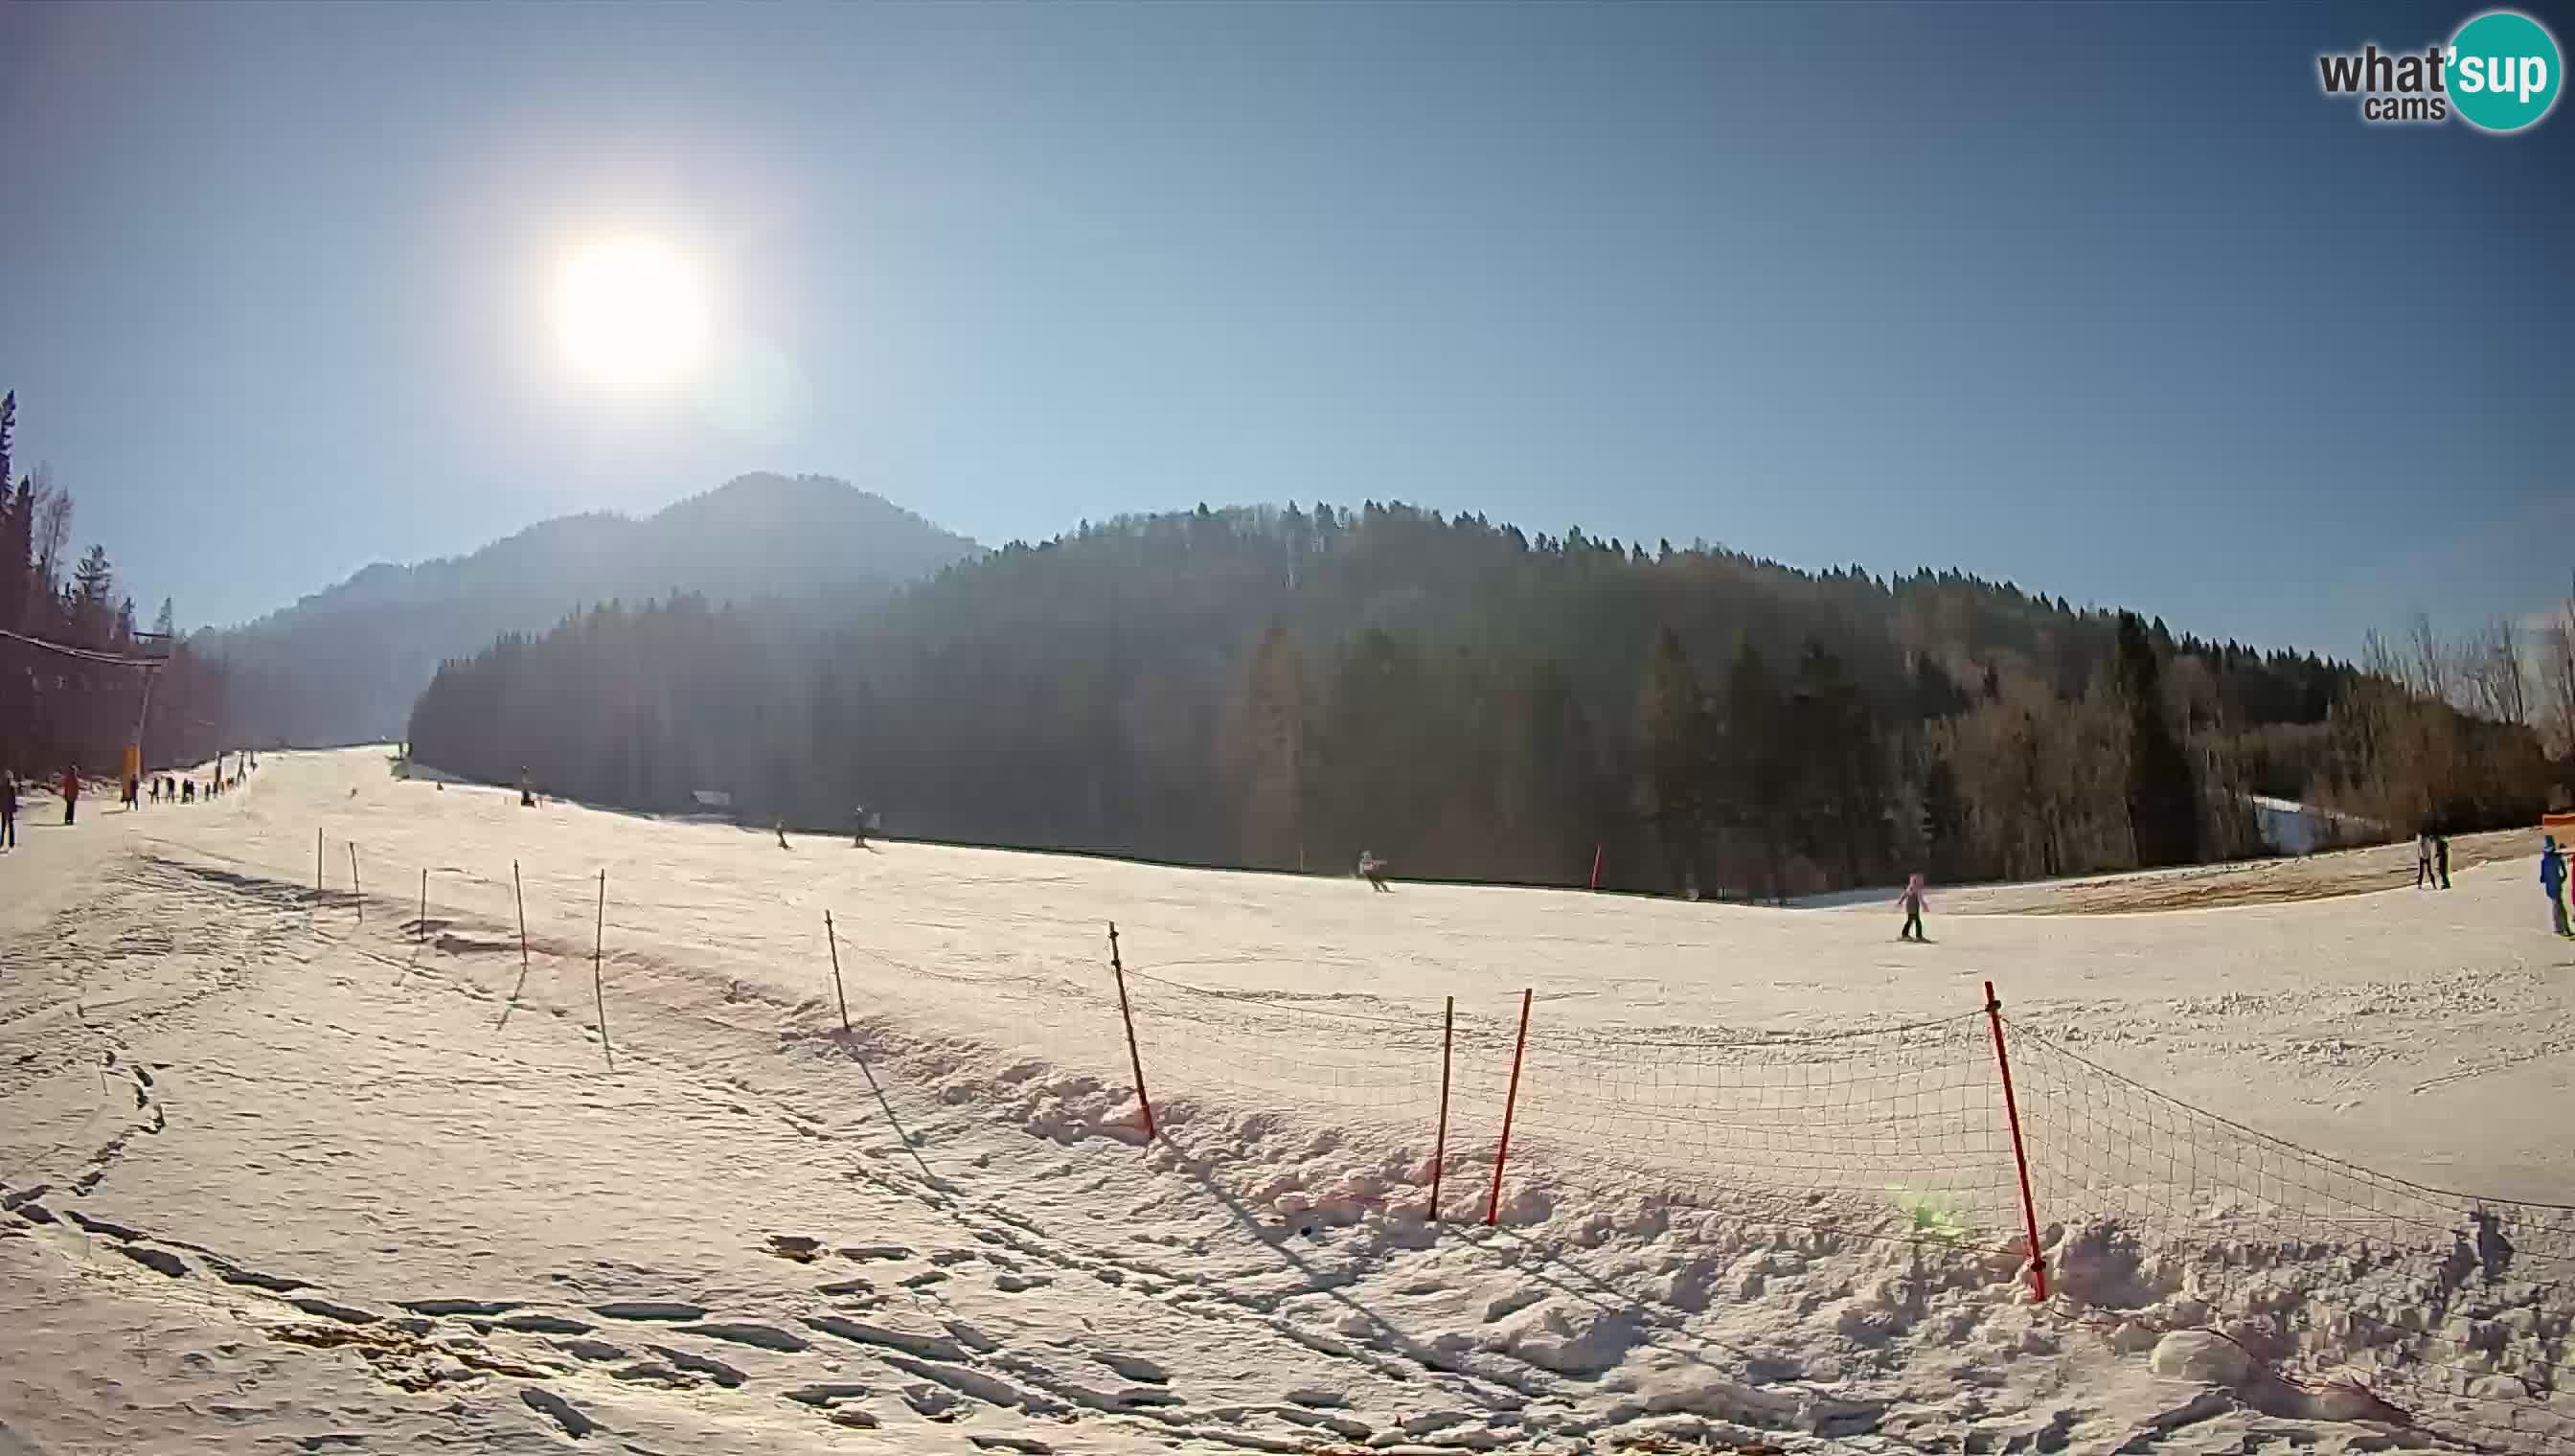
x=2104, y=298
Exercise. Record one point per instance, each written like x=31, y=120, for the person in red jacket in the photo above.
x=71, y=792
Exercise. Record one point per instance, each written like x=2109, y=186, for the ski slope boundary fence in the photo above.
x=1970, y=1141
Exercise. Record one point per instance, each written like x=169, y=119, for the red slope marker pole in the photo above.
x=1134, y=1058
x=1595, y=866
x=1511, y=1103
x=2011, y=1112
x=1440, y=1145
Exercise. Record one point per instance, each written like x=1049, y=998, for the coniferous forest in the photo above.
x=68, y=696
x=1287, y=687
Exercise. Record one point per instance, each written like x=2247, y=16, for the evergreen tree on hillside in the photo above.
x=13, y=565
x=1944, y=819
x=2163, y=803
x=1753, y=771
x=1837, y=804
x=17, y=566
x=1670, y=735
x=1936, y=693
x=1275, y=723
x=93, y=600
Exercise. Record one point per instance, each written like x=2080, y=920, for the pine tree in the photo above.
x=166, y=624
x=1275, y=719
x=2163, y=803
x=93, y=587
x=1837, y=799
x=1754, y=778
x=1936, y=693
x=17, y=567
x=1671, y=743
x=1945, y=818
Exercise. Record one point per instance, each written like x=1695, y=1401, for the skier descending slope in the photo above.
x=1372, y=869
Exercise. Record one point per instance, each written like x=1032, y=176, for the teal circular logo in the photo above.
x=2505, y=71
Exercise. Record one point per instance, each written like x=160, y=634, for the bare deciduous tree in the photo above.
x=53, y=530
x=2492, y=676
x=2430, y=670
x=2556, y=717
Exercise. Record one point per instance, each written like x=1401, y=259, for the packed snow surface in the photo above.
x=311, y=1172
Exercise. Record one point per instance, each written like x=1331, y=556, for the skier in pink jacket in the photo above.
x=1911, y=899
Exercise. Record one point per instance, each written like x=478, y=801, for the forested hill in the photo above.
x=344, y=665
x=1271, y=688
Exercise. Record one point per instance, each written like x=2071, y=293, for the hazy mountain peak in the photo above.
x=344, y=664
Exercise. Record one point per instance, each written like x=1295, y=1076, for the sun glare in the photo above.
x=630, y=314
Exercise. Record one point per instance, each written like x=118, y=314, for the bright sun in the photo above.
x=630, y=313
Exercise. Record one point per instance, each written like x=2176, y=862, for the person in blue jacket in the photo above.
x=2552, y=879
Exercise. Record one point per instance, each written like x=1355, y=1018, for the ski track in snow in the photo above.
x=280, y=1177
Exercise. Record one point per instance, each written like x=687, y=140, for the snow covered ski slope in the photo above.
x=287, y=1170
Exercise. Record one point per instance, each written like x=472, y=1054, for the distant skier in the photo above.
x=781, y=834
x=71, y=792
x=527, y=793
x=1911, y=899
x=2423, y=860
x=188, y=791
x=1372, y=869
x=2552, y=880
x=859, y=816
x=2441, y=857
x=8, y=809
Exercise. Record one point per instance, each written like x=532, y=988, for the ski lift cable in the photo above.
x=85, y=655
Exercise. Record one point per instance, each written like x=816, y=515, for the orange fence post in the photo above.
x=2020, y=1159
x=1440, y=1146
x=1134, y=1058
x=1511, y=1102
x=599, y=994
x=832, y=935
x=519, y=893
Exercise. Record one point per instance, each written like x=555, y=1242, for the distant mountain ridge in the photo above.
x=345, y=664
